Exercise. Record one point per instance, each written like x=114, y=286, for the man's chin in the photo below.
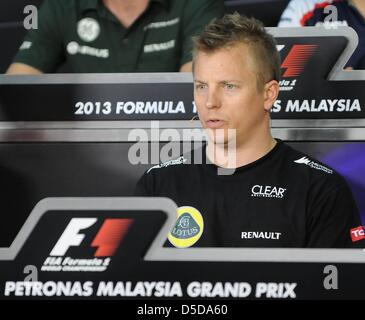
x=220, y=137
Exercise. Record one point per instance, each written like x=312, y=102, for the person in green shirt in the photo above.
x=93, y=36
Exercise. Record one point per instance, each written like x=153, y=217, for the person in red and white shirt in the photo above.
x=332, y=13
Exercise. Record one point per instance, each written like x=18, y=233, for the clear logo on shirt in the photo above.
x=267, y=192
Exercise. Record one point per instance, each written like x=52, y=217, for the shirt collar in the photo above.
x=88, y=4
x=163, y=2
x=85, y=5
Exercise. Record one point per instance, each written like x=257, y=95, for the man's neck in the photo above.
x=360, y=6
x=244, y=153
x=126, y=11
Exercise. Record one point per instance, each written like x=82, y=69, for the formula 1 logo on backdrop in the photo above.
x=106, y=242
x=294, y=64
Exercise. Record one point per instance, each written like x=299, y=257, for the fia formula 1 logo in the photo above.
x=294, y=64
x=106, y=242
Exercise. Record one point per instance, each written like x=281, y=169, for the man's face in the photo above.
x=226, y=93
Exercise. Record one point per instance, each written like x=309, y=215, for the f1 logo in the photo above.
x=107, y=239
x=297, y=58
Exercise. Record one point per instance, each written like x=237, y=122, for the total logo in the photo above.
x=357, y=234
x=106, y=242
x=188, y=228
x=294, y=64
x=267, y=192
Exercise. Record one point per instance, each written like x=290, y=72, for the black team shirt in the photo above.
x=284, y=199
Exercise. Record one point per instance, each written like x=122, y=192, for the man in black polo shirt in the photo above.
x=91, y=36
x=270, y=195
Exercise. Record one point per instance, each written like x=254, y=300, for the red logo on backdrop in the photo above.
x=106, y=240
x=357, y=234
x=297, y=58
x=109, y=236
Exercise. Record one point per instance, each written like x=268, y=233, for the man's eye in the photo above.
x=230, y=86
x=200, y=86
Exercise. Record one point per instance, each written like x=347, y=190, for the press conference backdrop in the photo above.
x=313, y=86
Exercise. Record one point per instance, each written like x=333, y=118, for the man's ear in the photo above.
x=271, y=92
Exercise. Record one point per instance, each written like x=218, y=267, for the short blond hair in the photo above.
x=234, y=29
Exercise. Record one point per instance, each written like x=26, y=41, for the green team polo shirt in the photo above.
x=85, y=37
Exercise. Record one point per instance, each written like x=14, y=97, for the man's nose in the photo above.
x=213, y=100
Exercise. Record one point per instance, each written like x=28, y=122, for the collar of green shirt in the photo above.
x=86, y=5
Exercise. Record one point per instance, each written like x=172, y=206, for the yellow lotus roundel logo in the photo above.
x=188, y=228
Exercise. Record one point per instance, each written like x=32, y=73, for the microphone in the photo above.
x=194, y=118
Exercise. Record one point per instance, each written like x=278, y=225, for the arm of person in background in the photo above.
x=196, y=16
x=42, y=48
x=187, y=67
x=21, y=68
x=296, y=12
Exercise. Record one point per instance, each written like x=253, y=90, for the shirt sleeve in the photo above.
x=331, y=218
x=296, y=12
x=196, y=16
x=42, y=48
x=144, y=186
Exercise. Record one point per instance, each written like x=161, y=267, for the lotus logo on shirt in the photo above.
x=187, y=223
x=188, y=228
